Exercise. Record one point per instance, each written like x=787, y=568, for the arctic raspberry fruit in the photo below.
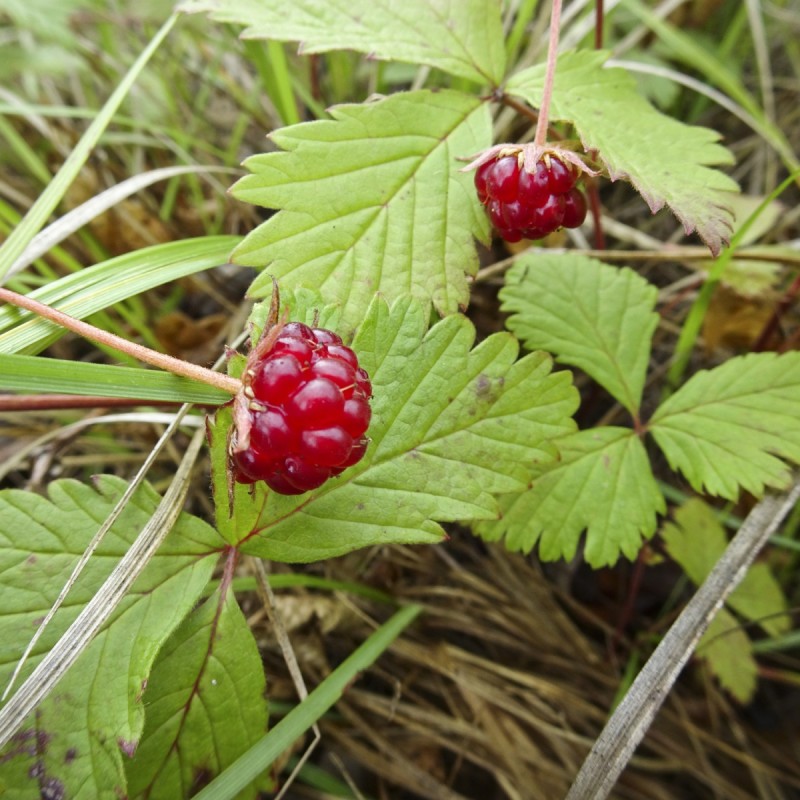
x=529, y=204
x=308, y=401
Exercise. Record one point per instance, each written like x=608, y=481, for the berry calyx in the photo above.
x=306, y=411
x=530, y=190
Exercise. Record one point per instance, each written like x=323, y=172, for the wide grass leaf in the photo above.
x=668, y=162
x=602, y=484
x=451, y=427
x=102, y=285
x=373, y=201
x=590, y=315
x=75, y=743
x=205, y=704
x=727, y=429
x=462, y=37
x=34, y=374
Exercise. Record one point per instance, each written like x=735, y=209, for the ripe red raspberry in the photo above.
x=529, y=204
x=309, y=411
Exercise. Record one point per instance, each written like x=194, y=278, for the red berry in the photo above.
x=531, y=204
x=309, y=412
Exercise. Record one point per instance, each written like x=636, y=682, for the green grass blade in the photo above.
x=300, y=719
x=33, y=375
x=47, y=201
x=101, y=286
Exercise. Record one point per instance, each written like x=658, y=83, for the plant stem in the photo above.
x=552, y=56
x=174, y=365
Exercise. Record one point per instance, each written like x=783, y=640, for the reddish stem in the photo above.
x=540, y=139
x=781, y=307
x=598, y=24
x=594, y=208
x=174, y=365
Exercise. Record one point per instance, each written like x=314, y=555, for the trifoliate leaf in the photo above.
x=373, y=201
x=668, y=162
x=205, y=704
x=602, y=484
x=728, y=652
x=697, y=541
x=462, y=37
x=75, y=742
x=451, y=427
x=590, y=315
x=727, y=429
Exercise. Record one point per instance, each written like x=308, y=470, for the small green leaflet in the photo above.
x=462, y=37
x=696, y=541
x=95, y=713
x=592, y=316
x=373, y=202
x=668, y=162
x=602, y=484
x=728, y=651
x=451, y=427
x=205, y=704
x=728, y=428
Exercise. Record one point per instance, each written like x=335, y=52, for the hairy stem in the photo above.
x=552, y=56
x=174, y=365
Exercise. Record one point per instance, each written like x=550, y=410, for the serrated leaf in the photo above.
x=450, y=428
x=728, y=652
x=697, y=541
x=75, y=741
x=462, y=37
x=727, y=429
x=373, y=202
x=35, y=374
x=205, y=704
x=590, y=315
x=602, y=484
x=668, y=162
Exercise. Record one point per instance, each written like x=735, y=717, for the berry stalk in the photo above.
x=540, y=138
x=174, y=365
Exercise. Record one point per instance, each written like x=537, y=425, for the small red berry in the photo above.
x=531, y=204
x=309, y=410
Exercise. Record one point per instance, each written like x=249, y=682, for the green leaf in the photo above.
x=464, y=38
x=602, y=484
x=303, y=716
x=697, y=541
x=75, y=741
x=205, y=704
x=590, y=315
x=727, y=429
x=373, y=202
x=728, y=651
x=95, y=288
x=38, y=374
x=450, y=428
x=668, y=162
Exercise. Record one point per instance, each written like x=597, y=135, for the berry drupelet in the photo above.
x=309, y=412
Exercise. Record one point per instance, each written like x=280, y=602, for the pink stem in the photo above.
x=174, y=365
x=552, y=57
